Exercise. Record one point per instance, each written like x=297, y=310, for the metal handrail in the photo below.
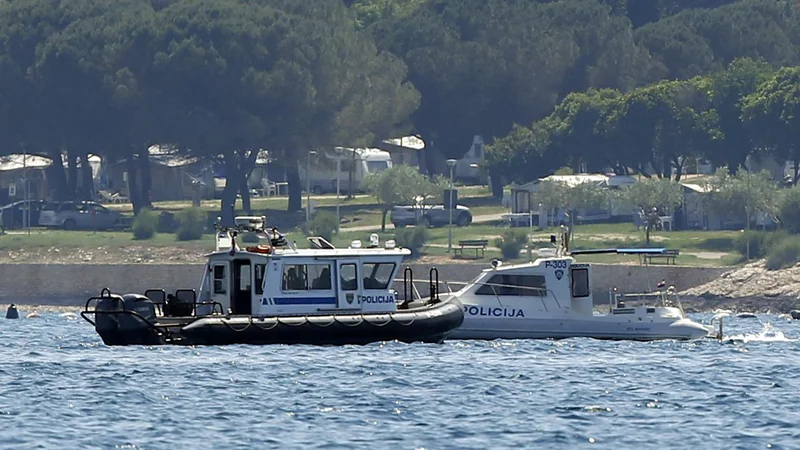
x=665, y=298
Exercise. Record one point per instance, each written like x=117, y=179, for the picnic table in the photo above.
x=479, y=245
x=667, y=256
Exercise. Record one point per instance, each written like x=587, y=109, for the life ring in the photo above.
x=264, y=249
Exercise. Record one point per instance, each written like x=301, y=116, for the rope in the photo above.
x=265, y=328
x=250, y=322
x=333, y=320
x=305, y=319
x=413, y=319
x=347, y=324
x=382, y=324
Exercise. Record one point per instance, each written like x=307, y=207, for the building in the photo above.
x=526, y=207
x=14, y=169
x=174, y=176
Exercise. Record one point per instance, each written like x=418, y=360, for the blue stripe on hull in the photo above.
x=304, y=300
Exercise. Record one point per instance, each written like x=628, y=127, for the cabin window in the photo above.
x=260, y=269
x=303, y=277
x=219, y=279
x=244, y=277
x=348, y=277
x=378, y=275
x=580, y=282
x=514, y=285
x=320, y=276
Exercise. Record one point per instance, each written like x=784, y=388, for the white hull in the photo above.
x=598, y=327
x=551, y=298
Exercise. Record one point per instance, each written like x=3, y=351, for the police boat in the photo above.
x=276, y=293
x=551, y=298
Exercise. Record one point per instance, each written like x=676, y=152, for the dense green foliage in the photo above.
x=511, y=243
x=412, y=238
x=191, y=224
x=323, y=224
x=402, y=185
x=145, y=224
x=723, y=117
x=632, y=85
x=789, y=210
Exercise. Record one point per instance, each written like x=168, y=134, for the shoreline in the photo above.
x=693, y=305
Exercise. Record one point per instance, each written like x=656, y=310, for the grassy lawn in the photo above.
x=700, y=248
x=89, y=239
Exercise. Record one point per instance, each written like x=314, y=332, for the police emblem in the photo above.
x=559, y=274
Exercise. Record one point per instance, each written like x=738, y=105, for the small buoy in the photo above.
x=11, y=312
x=746, y=315
x=795, y=314
x=32, y=315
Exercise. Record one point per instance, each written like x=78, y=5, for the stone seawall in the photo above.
x=72, y=284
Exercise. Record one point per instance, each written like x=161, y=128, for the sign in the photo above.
x=376, y=298
x=493, y=312
x=12, y=190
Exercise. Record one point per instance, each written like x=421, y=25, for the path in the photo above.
x=475, y=219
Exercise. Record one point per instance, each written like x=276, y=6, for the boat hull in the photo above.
x=430, y=324
x=600, y=328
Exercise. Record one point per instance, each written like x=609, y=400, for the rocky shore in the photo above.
x=750, y=288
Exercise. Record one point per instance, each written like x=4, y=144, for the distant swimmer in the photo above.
x=32, y=315
x=11, y=312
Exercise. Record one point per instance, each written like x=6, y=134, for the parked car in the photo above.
x=430, y=216
x=80, y=215
x=13, y=214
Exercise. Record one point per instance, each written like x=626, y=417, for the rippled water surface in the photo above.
x=62, y=388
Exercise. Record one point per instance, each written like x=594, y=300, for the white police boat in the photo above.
x=276, y=293
x=552, y=297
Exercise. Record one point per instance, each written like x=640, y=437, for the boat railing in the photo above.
x=662, y=298
x=410, y=290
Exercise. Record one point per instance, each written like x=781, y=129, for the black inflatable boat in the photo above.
x=133, y=319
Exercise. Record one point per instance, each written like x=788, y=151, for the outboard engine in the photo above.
x=136, y=326
x=12, y=312
x=106, y=324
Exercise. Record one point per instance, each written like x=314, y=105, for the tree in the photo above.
x=788, y=209
x=728, y=90
x=401, y=185
x=700, y=41
x=772, y=115
x=651, y=198
x=743, y=194
x=483, y=66
x=573, y=199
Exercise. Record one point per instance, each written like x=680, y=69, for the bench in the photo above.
x=667, y=256
x=479, y=245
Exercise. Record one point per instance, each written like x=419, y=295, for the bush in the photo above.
x=413, y=238
x=191, y=224
x=784, y=253
x=511, y=243
x=789, y=210
x=145, y=224
x=760, y=242
x=167, y=223
x=323, y=224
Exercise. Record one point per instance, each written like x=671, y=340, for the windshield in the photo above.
x=377, y=166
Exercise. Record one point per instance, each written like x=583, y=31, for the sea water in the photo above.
x=62, y=388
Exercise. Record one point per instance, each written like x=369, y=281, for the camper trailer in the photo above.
x=352, y=164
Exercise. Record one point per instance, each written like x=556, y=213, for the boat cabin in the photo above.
x=548, y=285
x=280, y=279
